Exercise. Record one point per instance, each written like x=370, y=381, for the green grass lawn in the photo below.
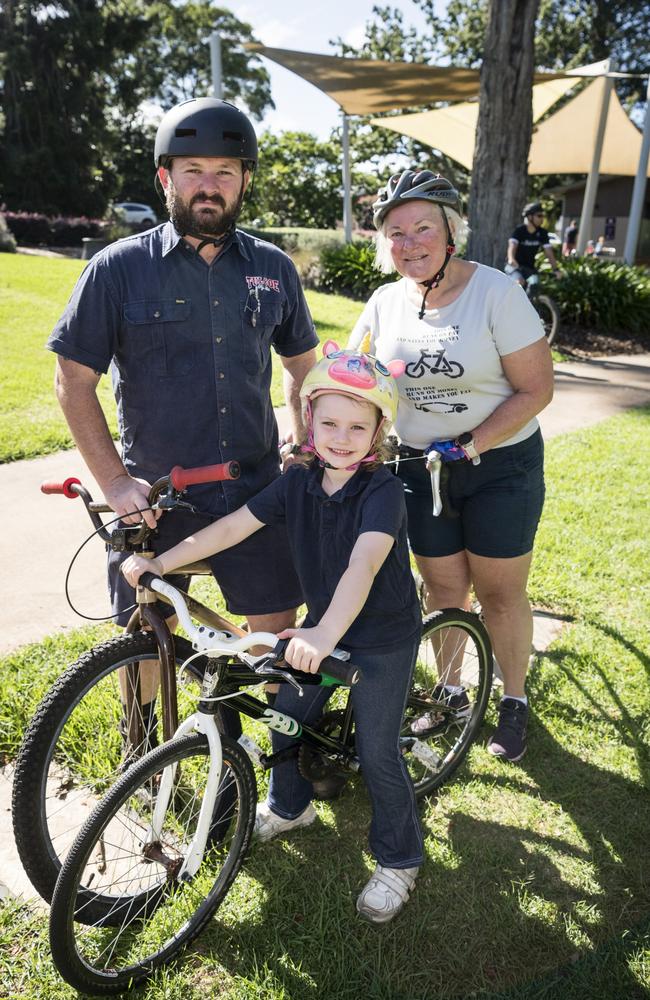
x=536, y=883
x=33, y=294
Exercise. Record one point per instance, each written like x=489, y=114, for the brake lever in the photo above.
x=267, y=669
x=173, y=503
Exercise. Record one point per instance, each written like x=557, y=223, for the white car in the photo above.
x=135, y=213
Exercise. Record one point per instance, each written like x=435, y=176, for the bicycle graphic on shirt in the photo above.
x=434, y=363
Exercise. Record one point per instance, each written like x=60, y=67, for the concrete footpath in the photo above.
x=46, y=531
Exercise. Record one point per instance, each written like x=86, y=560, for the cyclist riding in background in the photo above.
x=526, y=242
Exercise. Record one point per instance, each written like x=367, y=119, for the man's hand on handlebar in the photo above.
x=307, y=649
x=127, y=494
x=133, y=568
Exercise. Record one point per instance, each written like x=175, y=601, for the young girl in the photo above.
x=346, y=520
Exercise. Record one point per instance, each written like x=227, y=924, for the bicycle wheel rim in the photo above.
x=436, y=731
x=150, y=913
x=73, y=750
x=548, y=314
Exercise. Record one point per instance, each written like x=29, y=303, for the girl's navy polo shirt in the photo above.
x=322, y=532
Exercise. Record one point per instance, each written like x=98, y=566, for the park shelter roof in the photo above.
x=369, y=86
x=563, y=144
x=453, y=129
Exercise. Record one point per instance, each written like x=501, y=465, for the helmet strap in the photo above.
x=439, y=275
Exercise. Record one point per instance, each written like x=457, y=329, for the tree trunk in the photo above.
x=499, y=171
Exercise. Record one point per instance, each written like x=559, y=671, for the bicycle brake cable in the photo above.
x=97, y=618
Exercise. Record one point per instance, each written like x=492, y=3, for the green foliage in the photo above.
x=175, y=60
x=297, y=182
x=350, y=269
x=73, y=76
x=605, y=295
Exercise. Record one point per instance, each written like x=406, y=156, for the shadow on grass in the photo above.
x=533, y=875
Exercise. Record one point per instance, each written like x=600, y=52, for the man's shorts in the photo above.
x=256, y=577
x=498, y=503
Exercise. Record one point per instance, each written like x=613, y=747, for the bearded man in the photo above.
x=185, y=315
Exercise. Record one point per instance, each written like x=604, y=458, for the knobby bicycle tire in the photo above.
x=72, y=751
x=549, y=315
x=150, y=912
x=438, y=729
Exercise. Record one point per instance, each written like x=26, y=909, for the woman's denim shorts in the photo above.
x=495, y=506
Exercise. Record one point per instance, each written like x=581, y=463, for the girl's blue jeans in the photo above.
x=378, y=702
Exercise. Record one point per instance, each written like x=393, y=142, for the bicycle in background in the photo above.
x=544, y=305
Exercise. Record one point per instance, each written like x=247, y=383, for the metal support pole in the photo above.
x=638, y=193
x=347, y=181
x=592, y=180
x=215, y=63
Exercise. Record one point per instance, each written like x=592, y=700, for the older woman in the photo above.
x=478, y=371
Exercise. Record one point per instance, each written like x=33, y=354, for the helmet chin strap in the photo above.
x=215, y=241
x=439, y=275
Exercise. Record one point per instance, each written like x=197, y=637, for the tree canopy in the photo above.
x=75, y=77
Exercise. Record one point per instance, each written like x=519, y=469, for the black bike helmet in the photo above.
x=205, y=127
x=532, y=208
x=414, y=184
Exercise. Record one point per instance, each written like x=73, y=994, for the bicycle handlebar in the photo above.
x=66, y=487
x=333, y=666
x=181, y=478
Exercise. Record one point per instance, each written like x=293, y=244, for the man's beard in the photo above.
x=204, y=222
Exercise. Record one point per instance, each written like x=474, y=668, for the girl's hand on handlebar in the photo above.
x=133, y=568
x=307, y=649
x=127, y=494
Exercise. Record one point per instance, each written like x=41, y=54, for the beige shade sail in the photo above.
x=452, y=130
x=563, y=144
x=369, y=86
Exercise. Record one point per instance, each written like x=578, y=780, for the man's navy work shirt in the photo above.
x=189, y=345
x=529, y=244
x=322, y=532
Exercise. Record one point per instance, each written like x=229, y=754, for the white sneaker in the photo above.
x=386, y=893
x=268, y=824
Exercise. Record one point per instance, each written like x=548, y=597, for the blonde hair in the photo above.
x=384, y=258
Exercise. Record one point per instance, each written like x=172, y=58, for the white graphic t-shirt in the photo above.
x=453, y=379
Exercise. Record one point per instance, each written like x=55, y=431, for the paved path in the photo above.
x=47, y=530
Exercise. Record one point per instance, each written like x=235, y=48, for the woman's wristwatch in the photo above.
x=466, y=442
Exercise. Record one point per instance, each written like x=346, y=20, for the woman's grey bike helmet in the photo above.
x=414, y=184
x=423, y=185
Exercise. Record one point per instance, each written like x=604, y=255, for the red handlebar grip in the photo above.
x=180, y=478
x=63, y=487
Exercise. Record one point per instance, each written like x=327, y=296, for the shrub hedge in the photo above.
x=349, y=270
x=602, y=294
x=37, y=229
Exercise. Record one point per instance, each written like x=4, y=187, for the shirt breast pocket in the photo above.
x=259, y=319
x=159, y=335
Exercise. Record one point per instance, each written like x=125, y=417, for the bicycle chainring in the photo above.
x=315, y=766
